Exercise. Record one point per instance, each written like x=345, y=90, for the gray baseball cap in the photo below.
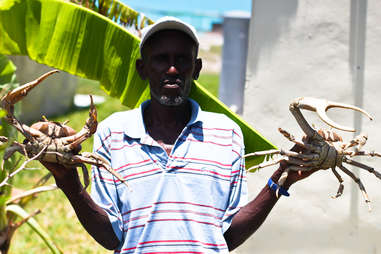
x=168, y=23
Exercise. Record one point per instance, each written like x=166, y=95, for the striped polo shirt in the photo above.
x=181, y=203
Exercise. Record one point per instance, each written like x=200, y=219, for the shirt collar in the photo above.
x=139, y=129
x=196, y=115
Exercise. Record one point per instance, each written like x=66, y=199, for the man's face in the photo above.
x=169, y=63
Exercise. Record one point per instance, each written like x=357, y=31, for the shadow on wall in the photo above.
x=347, y=239
x=270, y=25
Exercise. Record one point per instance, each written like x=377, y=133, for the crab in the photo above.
x=321, y=149
x=53, y=142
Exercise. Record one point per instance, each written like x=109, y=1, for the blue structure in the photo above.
x=202, y=14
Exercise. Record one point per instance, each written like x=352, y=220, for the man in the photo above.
x=184, y=166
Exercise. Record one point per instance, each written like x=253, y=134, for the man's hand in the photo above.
x=293, y=176
x=93, y=218
x=250, y=217
x=66, y=178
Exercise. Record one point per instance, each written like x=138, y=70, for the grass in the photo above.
x=211, y=82
x=57, y=217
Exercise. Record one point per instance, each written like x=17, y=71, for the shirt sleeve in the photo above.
x=103, y=188
x=238, y=191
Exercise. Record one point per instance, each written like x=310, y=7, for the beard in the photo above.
x=172, y=99
x=166, y=100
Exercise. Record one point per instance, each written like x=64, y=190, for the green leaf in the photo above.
x=4, y=5
x=254, y=141
x=29, y=194
x=79, y=41
x=112, y=10
x=7, y=73
x=7, y=81
x=15, y=209
x=2, y=113
x=115, y=11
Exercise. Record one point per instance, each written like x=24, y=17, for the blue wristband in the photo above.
x=275, y=187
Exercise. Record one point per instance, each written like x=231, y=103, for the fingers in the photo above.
x=66, y=179
x=52, y=167
x=57, y=170
x=295, y=176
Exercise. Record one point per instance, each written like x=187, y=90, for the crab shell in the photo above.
x=53, y=131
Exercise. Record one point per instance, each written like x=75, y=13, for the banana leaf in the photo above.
x=7, y=81
x=28, y=195
x=19, y=211
x=82, y=42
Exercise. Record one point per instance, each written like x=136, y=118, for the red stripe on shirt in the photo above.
x=201, y=170
x=181, y=241
x=204, y=160
x=137, y=209
x=188, y=203
x=175, y=211
x=210, y=135
x=165, y=252
x=109, y=135
x=127, y=145
x=187, y=211
x=173, y=202
x=216, y=129
x=133, y=164
x=210, y=142
x=128, y=176
x=236, y=153
x=161, y=220
x=173, y=241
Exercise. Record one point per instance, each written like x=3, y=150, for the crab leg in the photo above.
x=85, y=173
x=291, y=138
x=358, y=181
x=293, y=158
x=359, y=141
x=283, y=177
x=31, y=133
x=364, y=153
x=261, y=153
x=98, y=161
x=15, y=147
x=341, y=185
x=24, y=129
x=363, y=166
x=265, y=164
x=283, y=152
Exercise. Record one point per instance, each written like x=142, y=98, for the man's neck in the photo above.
x=165, y=123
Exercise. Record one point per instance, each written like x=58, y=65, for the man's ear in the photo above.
x=139, y=64
x=197, y=68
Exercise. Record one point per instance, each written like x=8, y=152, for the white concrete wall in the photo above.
x=301, y=48
x=52, y=97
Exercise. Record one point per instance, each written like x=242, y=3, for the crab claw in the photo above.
x=8, y=100
x=89, y=129
x=320, y=106
x=92, y=122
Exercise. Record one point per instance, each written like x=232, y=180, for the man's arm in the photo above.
x=250, y=217
x=92, y=217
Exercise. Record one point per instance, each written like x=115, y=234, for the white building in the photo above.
x=303, y=48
